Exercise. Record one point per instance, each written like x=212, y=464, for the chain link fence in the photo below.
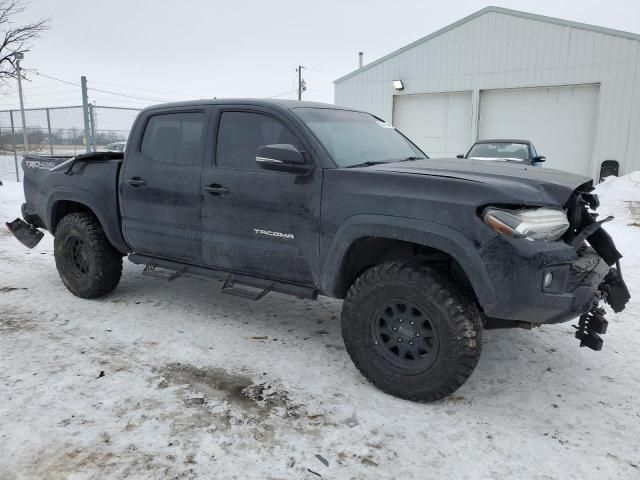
x=60, y=131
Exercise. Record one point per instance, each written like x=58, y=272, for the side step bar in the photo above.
x=230, y=289
x=231, y=280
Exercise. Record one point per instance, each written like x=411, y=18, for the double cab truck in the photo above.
x=312, y=199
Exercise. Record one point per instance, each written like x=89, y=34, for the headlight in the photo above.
x=539, y=224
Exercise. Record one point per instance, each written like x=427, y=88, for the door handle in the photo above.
x=137, y=182
x=216, y=190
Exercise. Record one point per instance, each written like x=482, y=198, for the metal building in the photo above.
x=571, y=88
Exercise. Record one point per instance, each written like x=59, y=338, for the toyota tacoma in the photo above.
x=311, y=199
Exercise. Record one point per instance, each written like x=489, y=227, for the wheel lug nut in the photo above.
x=417, y=334
x=410, y=343
x=412, y=322
x=400, y=320
x=394, y=329
x=400, y=340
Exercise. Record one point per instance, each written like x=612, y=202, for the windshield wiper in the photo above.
x=370, y=163
x=366, y=164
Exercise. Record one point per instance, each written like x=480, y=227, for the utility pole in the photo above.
x=302, y=85
x=92, y=119
x=85, y=112
x=49, y=130
x=15, y=149
x=19, y=56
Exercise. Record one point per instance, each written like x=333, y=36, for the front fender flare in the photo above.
x=420, y=232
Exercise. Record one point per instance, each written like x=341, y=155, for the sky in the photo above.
x=145, y=52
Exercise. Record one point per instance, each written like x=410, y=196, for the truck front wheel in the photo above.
x=88, y=264
x=411, y=332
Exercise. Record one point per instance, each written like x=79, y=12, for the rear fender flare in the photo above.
x=107, y=215
x=420, y=232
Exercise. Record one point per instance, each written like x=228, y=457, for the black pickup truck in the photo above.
x=311, y=199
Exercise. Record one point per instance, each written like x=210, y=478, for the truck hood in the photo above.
x=521, y=182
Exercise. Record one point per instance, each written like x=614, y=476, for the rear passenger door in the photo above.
x=259, y=222
x=160, y=185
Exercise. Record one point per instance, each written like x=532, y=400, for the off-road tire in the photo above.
x=88, y=264
x=451, y=314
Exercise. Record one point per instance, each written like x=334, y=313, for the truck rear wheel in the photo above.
x=88, y=264
x=410, y=331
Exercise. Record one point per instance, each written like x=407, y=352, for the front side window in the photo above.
x=356, y=138
x=240, y=134
x=174, y=138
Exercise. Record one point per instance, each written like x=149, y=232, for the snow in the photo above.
x=176, y=380
x=8, y=168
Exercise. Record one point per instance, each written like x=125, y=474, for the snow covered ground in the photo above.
x=8, y=168
x=177, y=380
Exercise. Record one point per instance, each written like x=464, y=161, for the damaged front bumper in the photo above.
x=592, y=323
x=553, y=282
x=550, y=283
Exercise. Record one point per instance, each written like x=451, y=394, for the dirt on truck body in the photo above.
x=311, y=199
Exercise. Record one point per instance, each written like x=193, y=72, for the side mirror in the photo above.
x=539, y=158
x=460, y=155
x=282, y=157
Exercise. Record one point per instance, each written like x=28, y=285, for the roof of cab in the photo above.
x=260, y=102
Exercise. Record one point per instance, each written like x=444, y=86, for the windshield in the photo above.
x=356, y=138
x=500, y=150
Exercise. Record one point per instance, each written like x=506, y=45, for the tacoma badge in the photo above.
x=269, y=233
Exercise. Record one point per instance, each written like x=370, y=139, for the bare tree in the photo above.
x=15, y=38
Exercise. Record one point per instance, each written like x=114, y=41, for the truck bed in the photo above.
x=90, y=179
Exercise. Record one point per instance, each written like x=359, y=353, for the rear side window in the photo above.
x=174, y=138
x=241, y=134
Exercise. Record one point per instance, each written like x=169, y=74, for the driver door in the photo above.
x=256, y=221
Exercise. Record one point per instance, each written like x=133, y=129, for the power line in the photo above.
x=56, y=79
x=118, y=102
x=293, y=83
x=318, y=91
x=109, y=92
x=151, y=90
x=320, y=71
x=45, y=94
x=292, y=90
x=47, y=86
x=64, y=102
x=283, y=93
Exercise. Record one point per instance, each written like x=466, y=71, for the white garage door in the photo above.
x=439, y=123
x=560, y=121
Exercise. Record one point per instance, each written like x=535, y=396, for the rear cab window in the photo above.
x=174, y=138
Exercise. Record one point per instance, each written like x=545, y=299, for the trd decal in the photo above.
x=39, y=164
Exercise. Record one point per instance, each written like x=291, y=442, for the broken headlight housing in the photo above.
x=547, y=224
